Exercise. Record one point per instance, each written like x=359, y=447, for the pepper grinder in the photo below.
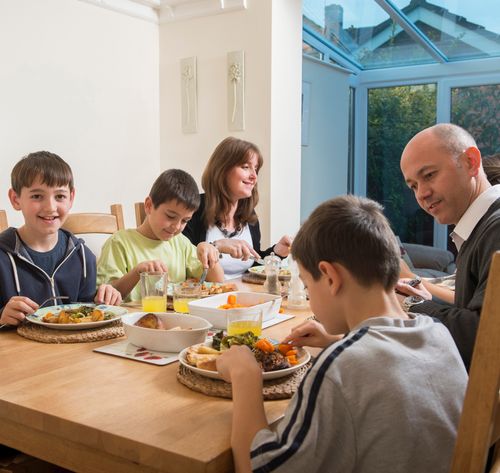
x=272, y=265
x=297, y=298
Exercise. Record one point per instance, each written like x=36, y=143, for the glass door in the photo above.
x=395, y=114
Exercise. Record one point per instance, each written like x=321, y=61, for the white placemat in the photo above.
x=125, y=349
x=277, y=319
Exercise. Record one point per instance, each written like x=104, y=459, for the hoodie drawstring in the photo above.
x=84, y=262
x=14, y=270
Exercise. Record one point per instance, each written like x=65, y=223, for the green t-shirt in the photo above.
x=125, y=249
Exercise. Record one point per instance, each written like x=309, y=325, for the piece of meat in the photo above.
x=271, y=361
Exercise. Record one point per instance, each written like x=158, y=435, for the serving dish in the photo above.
x=191, y=330
x=112, y=312
x=207, y=308
x=303, y=357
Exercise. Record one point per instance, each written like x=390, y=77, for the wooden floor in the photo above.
x=13, y=461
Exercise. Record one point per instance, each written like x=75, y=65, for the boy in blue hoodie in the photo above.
x=40, y=260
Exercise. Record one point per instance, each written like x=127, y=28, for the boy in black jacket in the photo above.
x=39, y=260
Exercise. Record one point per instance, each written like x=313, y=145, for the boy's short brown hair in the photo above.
x=51, y=169
x=175, y=184
x=354, y=232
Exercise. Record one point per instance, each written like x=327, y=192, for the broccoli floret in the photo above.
x=247, y=338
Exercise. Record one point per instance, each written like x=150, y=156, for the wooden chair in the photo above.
x=140, y=213
x=479, y=427
x=81, y=223
x=3, y=221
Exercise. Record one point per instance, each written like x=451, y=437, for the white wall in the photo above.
x=82, y=82
x=270, y=34
x=325, y=158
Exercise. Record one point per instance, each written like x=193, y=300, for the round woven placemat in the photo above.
x=253, y=278
x=39, y=333
x=279, y=388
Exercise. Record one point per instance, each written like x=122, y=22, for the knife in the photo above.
x=258, y=260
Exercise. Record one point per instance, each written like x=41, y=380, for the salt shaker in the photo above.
x=272, y=265
x=297, y=298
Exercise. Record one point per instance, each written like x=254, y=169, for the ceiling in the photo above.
x=162, y=11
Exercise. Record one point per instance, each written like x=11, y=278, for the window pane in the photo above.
x=477, y=109
x=364, y=31
x=395, y=114
x=310, y=51
x=461, y=29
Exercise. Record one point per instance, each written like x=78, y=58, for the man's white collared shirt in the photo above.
x=473, y=214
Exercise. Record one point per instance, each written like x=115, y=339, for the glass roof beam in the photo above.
x=312, y=38
x=402, y=20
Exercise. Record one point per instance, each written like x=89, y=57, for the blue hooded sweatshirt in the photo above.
x=74, y=276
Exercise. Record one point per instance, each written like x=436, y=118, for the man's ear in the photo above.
x=331, y=274
x=14, y=199
x=473, y=157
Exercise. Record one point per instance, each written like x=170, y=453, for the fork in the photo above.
x=203, y=275
x=53, y=298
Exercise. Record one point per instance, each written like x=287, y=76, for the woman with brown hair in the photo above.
x=226, y=216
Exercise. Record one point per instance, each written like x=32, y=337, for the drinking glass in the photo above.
x=154, y=291
x=184, y=293
x=244, y=320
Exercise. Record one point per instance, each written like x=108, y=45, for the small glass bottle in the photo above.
x=272, y=265
x=297, y=298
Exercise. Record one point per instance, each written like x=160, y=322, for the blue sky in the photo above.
x=368, y=13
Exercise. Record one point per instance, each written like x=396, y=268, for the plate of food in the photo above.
x=77, y=316
x=276, y=360
x=284, y=273
x=207, y=288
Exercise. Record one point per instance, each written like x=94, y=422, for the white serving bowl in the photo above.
x=207, y=307
x=193, y=330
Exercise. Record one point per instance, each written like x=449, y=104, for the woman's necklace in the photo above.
x=226, y=232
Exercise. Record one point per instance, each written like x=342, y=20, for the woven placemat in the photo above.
x=39, y=333
x=279, y=388
x=253, y=278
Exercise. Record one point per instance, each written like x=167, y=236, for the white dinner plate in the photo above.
x=303, y=357
x=114, y=311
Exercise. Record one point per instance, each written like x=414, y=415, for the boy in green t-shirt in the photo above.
x=158, y=243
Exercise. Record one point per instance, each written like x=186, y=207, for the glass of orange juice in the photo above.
x=184, y=293
x=154, y=292
x=243, y=320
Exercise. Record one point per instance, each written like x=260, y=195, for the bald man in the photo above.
x=442, y=165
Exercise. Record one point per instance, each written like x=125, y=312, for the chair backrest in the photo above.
x=81, y=223
x=140, y=213
x=479, y=426
x=3, y=221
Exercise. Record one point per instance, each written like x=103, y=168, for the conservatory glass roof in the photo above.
x=372, y=34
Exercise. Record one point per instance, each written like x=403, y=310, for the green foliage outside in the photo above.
x=477, y=109
x=395, y=114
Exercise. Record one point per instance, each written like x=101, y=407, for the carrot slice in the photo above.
x=265, y=345
x=283, y=348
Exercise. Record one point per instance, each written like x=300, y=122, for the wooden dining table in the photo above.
x=90, y=412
